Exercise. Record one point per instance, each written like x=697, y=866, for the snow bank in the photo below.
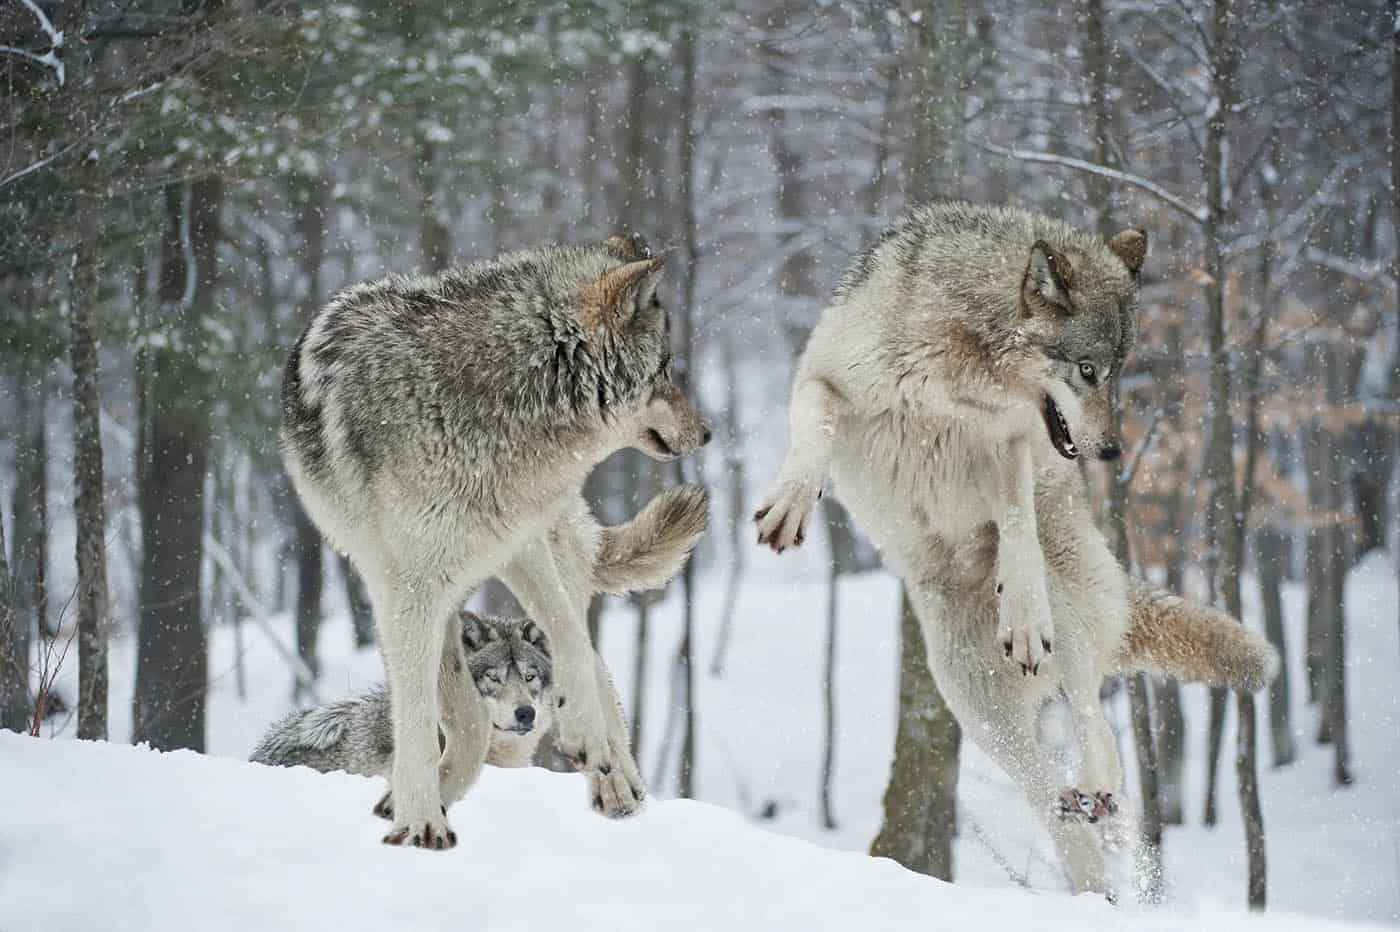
x=99, y=836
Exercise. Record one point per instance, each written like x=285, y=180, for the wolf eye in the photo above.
x=493, y=676
x=530, y=677
x=1087, y=370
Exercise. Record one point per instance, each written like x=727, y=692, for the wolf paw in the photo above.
x=385, y=807
x=1024, y=628
x=613, y=793
x=1074, y=804
x=782, y=518
x=435, y=834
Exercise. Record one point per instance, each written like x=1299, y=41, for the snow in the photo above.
x=116, y=837
x=1334, y=853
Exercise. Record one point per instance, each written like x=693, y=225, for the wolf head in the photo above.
x=622, y=312
x=1082, y=314
x=510, y=663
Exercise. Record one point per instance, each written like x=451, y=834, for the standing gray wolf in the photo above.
x=967, y=361
x=508, y=665
x=439, y=430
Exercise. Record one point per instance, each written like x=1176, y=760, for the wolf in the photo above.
x=438, y=430
x=505, y=660
x=967, y=361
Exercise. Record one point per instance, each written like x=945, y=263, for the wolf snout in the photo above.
x=525, y=717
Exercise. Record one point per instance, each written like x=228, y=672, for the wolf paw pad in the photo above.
x=434, y=834
x=782, y=518
x=1073, y=804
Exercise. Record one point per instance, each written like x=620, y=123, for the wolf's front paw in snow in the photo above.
x=425, y=833
x=616, y=790
x=782, y=518
x=1024, y=628
x=1075, y=804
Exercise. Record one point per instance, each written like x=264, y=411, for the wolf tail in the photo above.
x=1191, y=642
x=647, y=551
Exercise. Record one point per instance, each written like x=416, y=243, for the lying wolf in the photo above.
x=967, y=361
x=439, y=430
x=509, y=666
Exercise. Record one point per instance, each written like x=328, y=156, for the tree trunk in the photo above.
x=311, y=196
x=920, y=799
x=172, y=645
x=25, y=578
x=685, y=358
x=31, y=512
x=1225, y=517
x=1166, y=692
x=88, y=505
x=833, y=582
x=1335, y=693
x=1272, y=547
x=361, y=614
x=1395, y=230
x=14, y=666
x=736, y=527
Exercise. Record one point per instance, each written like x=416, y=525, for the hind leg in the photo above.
x=1012, y=744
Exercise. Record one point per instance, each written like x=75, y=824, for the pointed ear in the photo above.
x=1045, y=287
x=628, y=247
x=612, y=300
x=475, y=632
x=1131, y=247
x=530, y=633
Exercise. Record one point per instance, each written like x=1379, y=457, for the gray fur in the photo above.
x=506, y=661
x=968, y=358
x=439, y=430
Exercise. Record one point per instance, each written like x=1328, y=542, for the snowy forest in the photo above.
x=182, y=185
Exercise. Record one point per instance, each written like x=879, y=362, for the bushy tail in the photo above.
x=1192, y=642
x=647, y=551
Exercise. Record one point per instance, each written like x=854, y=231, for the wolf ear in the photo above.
x=1045, y=287
x=531, y=634
x=1131, y=247
x=615, y=298
x=628, y=247
x=475, y=632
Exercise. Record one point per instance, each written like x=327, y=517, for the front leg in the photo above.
x=815, y=416
x=1024, y=627
x=412, y=617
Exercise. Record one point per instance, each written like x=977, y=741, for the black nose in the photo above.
x=1110, y=453
x=525, y=715
x=706, y=438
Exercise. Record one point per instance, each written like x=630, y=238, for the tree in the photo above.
x=91, y=513
x=920, y=799
x=172, y=645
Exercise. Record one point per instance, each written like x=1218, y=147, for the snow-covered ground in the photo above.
x=1333, y=853
x=116, y=838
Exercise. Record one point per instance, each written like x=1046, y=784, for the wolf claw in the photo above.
x=1073, y=804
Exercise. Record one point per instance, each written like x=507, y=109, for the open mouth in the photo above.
x=658, y=444
x=1059, y=430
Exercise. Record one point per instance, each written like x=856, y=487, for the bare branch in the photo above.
x=1197, y=214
